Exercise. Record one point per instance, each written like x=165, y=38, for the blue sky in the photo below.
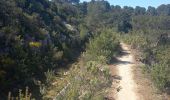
x=134, y=3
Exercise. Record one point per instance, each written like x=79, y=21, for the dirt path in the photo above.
x=129, y=81
x=127, y=85
x=123, y=85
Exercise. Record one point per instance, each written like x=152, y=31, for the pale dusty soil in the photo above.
x=129, y=83
x=123, y=86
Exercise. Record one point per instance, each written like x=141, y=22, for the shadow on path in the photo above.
x=117, y=62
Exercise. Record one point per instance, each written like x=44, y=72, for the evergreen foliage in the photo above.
x=37, y=37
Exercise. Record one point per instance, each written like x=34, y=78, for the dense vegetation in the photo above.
x=90, y=78
x=38, y=37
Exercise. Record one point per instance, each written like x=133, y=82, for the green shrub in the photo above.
x=160, y=74
x=102, y=47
